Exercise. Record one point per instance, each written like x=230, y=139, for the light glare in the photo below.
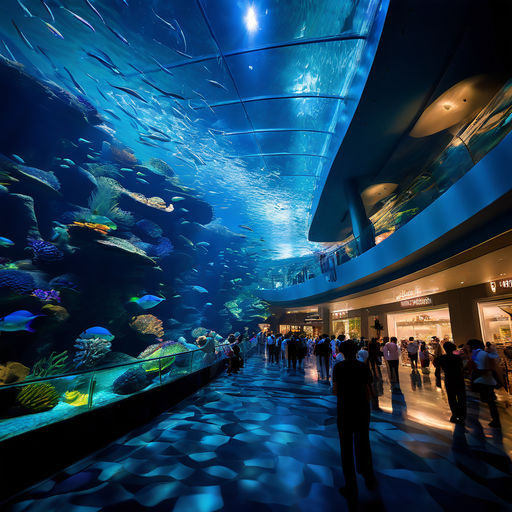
x=251, y=22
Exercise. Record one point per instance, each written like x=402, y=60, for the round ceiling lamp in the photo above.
x=456, y=106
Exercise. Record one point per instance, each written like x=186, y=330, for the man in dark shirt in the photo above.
x=451, y=365
x=352, y=385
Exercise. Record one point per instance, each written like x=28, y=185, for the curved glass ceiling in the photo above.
x=258, y=94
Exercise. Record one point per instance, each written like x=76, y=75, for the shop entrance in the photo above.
x=496, y=321
x=422, y=324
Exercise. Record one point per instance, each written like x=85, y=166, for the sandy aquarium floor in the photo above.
x=266, y=440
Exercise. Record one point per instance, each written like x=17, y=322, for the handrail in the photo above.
x=101, y=368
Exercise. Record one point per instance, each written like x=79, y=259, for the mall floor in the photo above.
x=266, y=439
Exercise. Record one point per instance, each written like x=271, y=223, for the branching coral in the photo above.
x=90, y=351
x=38, y=397
x=147, y=324
x=54, y=364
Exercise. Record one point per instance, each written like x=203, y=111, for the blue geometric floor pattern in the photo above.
x=266, y=440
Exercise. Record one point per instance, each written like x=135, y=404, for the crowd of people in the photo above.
x=353, y=366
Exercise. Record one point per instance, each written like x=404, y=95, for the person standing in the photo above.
x=322, y=352
x=302, y=350
x=451, y=365
x=292, y=353
x=271, y=347
x=284, y=350
x=391, y=355
x=412, y=351
x=352, y=387
x=483, y=379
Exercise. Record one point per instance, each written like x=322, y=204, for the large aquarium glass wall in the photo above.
x=155, y=158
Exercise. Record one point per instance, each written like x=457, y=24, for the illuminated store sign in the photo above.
x=417, y=292
x=418, y=301
x=502, y=283
x=339, y=314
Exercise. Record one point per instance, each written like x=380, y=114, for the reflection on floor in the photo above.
x=266, y=439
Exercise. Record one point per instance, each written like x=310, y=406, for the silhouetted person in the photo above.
x=352, y=386
x=292, y=352
x=451, y=365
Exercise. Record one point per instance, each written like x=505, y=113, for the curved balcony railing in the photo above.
x=37, y=402
x=465, y=149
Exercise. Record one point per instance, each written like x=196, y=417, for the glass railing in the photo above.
x=34, y=403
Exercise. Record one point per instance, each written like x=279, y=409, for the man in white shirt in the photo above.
x=412, y=350
x=391, y=355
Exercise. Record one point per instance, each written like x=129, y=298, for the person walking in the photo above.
x=451, y=365
x=284, y=351
x=412, y=351
x=424, y=356
x=391, y=355
x=352, y=387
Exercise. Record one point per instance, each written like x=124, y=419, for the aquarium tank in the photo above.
x=156, y=157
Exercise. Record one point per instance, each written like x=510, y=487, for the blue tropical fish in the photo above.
x=5, y=242
x=147, y=301
x=18, y=321
x=97, y=332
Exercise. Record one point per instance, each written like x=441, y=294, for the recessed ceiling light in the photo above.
x=462, y=282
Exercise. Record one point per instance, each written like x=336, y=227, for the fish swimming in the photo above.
x=53, y=30
x=18, y=321
x=103, y=60
x=216, y=84
x=97, y=332
x=18, y=158
x=80, y=19
x=48, y=10
x=129, y=91
x=170, y=25
x=179, y=52
x=29, y=14
x=147, y=301
x=5, y=242
x=75, y=83
x=9, y=51
x=165, y=93
x=245, y=227
x=85, y=141
x=176, y=199
x=93, y=9
x=22, y=35
x=162, y=67
x=119, y=36
x=112, y=113
x=199, y=289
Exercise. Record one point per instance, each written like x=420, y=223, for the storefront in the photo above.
x=342, y=323
x=495, y=313
x=423, y=324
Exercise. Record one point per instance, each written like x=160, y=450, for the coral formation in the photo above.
x=126, y=247
x=147, y=324
x=44, y=252
x=75, y=398
x=16, y=281
x=12, y=372
x=160, y=350
x=131, y=381
x=199, y=331
x=54, y=364
x=58, y=312
x=90, y=351
x=47, y=295
x=38, y=397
